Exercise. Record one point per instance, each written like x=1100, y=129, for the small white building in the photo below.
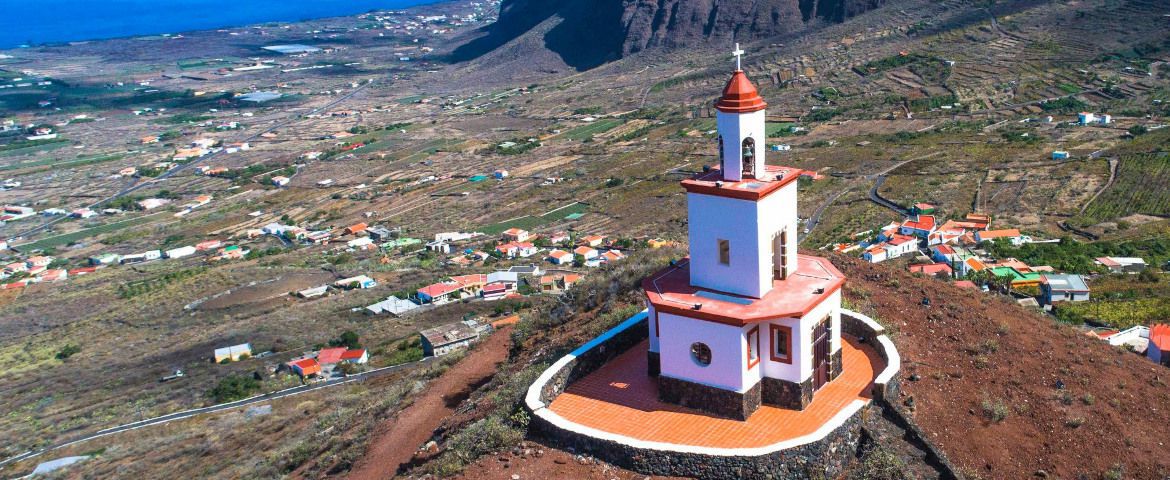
x=233, y=353
x=360, y=281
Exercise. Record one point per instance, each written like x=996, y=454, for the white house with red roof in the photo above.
x=586, y=252
x=743, y=320
x=1010, y=234
x=515, y=235
x=560, y=257
x=920, y=226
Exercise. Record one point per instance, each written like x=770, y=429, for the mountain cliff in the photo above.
x=587, y=33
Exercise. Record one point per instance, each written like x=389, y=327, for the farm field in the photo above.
x=1142, y=186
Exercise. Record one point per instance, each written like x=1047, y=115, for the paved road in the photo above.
x=815, y=218
x=219, y=408
x=293, y=116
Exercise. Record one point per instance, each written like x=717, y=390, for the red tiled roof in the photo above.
x=308, y=366
x=353, y=354
x=748, y=189
x=435, y=290
x=924, y=222
x=330, y=355
x=1012, y=232
x=931, y=268
x=740, y=96
x=1160, y=336
x=965, y=284
x=944, y=249
x=670, y=291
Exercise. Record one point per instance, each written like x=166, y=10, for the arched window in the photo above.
x=749, y=156
x=722, y=165
x=701, y=353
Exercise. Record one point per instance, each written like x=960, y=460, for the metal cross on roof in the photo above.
x=737, y=53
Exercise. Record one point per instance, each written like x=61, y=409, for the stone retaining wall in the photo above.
x=824, y=454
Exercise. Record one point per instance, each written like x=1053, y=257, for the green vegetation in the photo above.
x=515, y=146
x=1067, y=105
x=587, y=131
x=1140, y=187
x=821, y=115
x=532, y=222
x=1122, y=301
x=72, y=237
x=67, y=351
x=140, y=287
x=51, y=163
x=22, y=147
x=234, y=387
x=406, y=351
x=780, y=129
x=930, y=103
x=1078, y=257
x=348, y=339
x=186, y=118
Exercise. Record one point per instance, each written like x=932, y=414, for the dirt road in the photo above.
x=399, y=437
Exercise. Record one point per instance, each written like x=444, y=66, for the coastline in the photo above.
x=11, y=43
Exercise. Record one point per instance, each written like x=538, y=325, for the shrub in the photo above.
x=348, y=339
x=234, y=387
x=994, y=410
x=67, y=351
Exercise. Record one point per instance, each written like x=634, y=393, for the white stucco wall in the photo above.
x=728, y=352
x=749, y=226
x=728, y=368
x=802, y=350
x=734, y=128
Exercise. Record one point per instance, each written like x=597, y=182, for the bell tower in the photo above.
x=740, y=122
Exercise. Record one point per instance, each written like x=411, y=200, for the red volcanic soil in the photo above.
x=400, y=437
x=972, y=353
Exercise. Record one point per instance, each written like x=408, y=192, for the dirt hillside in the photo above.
x=984, y=377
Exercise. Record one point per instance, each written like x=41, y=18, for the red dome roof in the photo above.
x=740, y=96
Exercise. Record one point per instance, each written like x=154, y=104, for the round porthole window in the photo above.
x=701, y=353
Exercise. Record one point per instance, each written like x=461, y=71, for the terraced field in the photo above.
x=1140, y=187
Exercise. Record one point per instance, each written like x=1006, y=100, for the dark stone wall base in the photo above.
x=835, y=365
x=785, y=394
x=825, y=458
x=713, y=400
x=653, y=363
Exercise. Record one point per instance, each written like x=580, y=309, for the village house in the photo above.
x=517, y=249
x=233, y=353
x=515, y=235
x=280, y=180
x=593, y=241
x=586, y=252
x=1062, y=288
x=313, y=291
x=380, y=234
x=556, y=283
x=358, y=282
x=559, y=238
x=445, y=339
x=356, y=229
x=1010, y=234
x=1159, y=345
x=560, y=257
x=921, y=226
x=83, y=213
x=1122, y=264
x=305, y=367
x=54, y=275
x=152, y=203
x=932, y=269
x=612, y=256
x=392, y=305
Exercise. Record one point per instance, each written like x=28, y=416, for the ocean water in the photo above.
x=50, y=21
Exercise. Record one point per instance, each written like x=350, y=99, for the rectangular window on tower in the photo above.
x=781, y=343
x=724, y=252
